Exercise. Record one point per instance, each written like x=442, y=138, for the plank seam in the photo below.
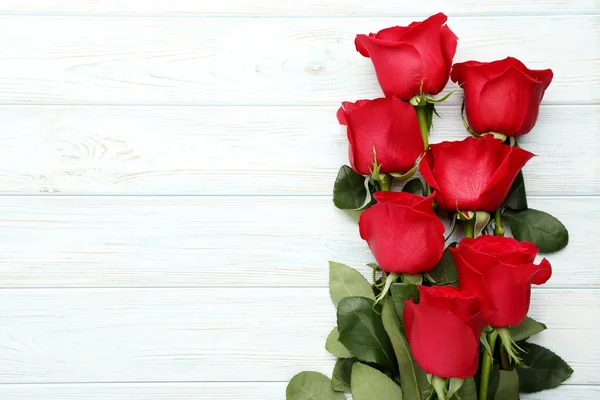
x=216, y=104
x=592, y=286
x=189, y=15
x=187, y=382
x=275, y=195
x=545, y=104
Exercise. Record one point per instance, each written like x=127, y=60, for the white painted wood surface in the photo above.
x=232, y=61
x=189, y=150
x=133, y=241
x=218, y=334
x=248, y=8
x=210, y=391
x=165, y=211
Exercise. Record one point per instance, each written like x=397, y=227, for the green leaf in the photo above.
x=517, y=196
x=311, y=385
x=544, y=369
x=468, y=391
x=342, y=375
x=494, y=381
x=547, y=232
x=445, y=271
x=413, y=380
x=508, y=386
x=362, y=332
x=400, y=293
x=370, y=384
x=347, y=282
x=351, y=191
x=334, y=347
x=526, y=329
x=414, y=186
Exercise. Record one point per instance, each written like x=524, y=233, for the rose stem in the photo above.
x=470, y=228
x=424, y=126
x=422, y=117
x=385, y=182
x=498, y=228
x=486, y=366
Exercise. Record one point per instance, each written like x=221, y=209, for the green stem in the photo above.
x=385, y=182
x=470, y=228
x=422, y=116
x=391, y=278
x=424, y=126
x=486, y=366
x=498, y=228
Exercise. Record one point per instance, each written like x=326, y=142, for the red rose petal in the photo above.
x=441, y=343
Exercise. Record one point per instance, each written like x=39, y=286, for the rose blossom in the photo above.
x=500, y=270
x=473, y=174
x=501, y=96
x=410, y=58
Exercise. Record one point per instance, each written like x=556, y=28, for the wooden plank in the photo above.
x=218, y=334
x=295, y=7
x=230, y=61
x=213, y=391
x=225, y=241
x=243, y=150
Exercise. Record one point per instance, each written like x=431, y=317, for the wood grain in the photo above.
x=217, y=241
x=295, y=7
x=211, y=391
x=243, y=150
x=294, y=61
x=218, y=334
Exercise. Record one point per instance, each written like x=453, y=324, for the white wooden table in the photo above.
x=165, y=217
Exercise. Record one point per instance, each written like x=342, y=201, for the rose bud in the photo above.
x=473, y=174
x=403, y=232
x=444, y=330
x=501, y=96
x=387, y=125
x=500, y=271
x=410, y=58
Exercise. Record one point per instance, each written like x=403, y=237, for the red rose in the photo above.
x=407, y=58
x=388, y=125
x=500, y=271
x=501, y=96
x=403, y=232
x=473, y=174
x=444, y=331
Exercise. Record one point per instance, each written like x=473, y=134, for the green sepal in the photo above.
x=409, y=174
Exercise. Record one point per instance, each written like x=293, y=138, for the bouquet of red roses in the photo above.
x=439, y=320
